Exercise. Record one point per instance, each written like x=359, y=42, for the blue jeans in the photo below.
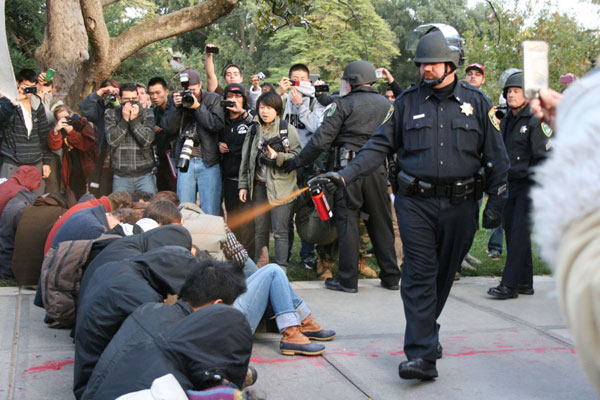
x=496, y=239
x=142, y=183
x=271, y=283
x=206, y=181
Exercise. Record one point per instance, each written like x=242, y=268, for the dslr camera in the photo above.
x=187, y=95
x=30, y=90
x=111, y=101
x=186, y=151
x=72, y=119
x=501, y=111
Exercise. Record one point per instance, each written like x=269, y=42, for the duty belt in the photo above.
x=457, y=191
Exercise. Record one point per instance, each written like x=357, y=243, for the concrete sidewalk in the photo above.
x=513, y=349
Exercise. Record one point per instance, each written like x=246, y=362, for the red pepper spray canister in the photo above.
x=318, y=197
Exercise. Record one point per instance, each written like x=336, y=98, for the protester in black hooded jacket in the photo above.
x=212, y=343
x=9, y=221
x=211, y=283
x=115, y=291
x=133, y=246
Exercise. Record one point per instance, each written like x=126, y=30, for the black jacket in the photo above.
x=215, y=340
x=438, y=141
x=349, y=121
x=142, y=326
x=208, y=120
x=114, y=292
x=93, y=108
x=527, y=142
x=133, y=246
x=234, y=134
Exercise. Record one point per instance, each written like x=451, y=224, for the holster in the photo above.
x=479, y=183
x=342, y=157
x=407, y=185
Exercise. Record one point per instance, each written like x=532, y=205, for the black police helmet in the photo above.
x=434, y=48
x=514, y=80
x=359, y=73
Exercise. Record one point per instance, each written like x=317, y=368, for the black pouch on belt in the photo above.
x=407, y=185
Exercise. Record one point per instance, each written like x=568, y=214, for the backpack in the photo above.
x=62, y=270
x=208, y=231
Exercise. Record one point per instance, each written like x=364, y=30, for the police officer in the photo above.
x=443, y=131
x=527, y=142
x=348, y=123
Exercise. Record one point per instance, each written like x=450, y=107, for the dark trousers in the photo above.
x=436, y=236
x=233, y=205
x=518, y=269
x=164, y=177
x=367, y=194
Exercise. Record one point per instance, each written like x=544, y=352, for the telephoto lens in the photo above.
x=186, y=152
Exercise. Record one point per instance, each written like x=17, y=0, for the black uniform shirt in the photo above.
x=438, y=141
x=527, y=142
x=348, y=120
x=234, y=134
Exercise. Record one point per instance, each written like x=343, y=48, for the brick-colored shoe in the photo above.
x=365, y=270
x=312, y=330
x=294, y=342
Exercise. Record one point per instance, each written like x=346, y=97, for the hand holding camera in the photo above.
x=284, y=85
x=63, y=126
x=211, y=49
x=296, y=97
x=131, y=110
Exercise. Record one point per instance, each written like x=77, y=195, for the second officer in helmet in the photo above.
x=349, y=122
x=444, y=134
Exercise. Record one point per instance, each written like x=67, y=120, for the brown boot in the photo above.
x=324, y=269
x=364, y=269
x=312, y=330
x=294, y=342
x=264, y=257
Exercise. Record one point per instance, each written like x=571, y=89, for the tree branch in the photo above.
x=95, y=26
x=166, y=26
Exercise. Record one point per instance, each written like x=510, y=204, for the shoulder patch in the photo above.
x=331, y=109
x=493, y=119
x=546, y=129
x=389, y=114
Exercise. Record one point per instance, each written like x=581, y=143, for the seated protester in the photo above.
x=26, y=177
x=24, y=130
x=237, y=125
x=77, y=140
x=34, y=225
x=130, y=134
x=140, y=196
x=212, y=282
x=114, y=291
x=9, y=221
x=92, y=222
x=210, y=234
x=261, y=178
x=132, y=246
x=166, y=195
x=292, y=315
x=163, y=212
x=114, y=201
x=93, y=108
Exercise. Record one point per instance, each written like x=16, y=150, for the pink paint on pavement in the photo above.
x=49, y=366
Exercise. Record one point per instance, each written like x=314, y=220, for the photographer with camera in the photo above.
x=77, y=139
x=238, y=123
x=129, y=134
x=196, y=120
x=24, y=130
x=93, y=108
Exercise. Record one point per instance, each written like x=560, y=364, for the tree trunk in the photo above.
x=75, y=25
x=65, y=46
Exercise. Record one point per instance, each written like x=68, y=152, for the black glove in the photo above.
x=492, y=215
x=290, y=164
x=335, y=178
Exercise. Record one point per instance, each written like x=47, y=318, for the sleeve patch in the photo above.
x=389, y=114
x=546, y=129
x=331, y=109
x=493, y=119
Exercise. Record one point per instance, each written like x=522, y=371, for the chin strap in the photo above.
x=434, y=82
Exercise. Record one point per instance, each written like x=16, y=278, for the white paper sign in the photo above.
x=8, y=87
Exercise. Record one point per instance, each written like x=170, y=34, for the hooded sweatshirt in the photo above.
x=87, y=204
x=213, y=341
x=133, y=246
x=26, y=177
x=115, y=291
x=86, y=224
